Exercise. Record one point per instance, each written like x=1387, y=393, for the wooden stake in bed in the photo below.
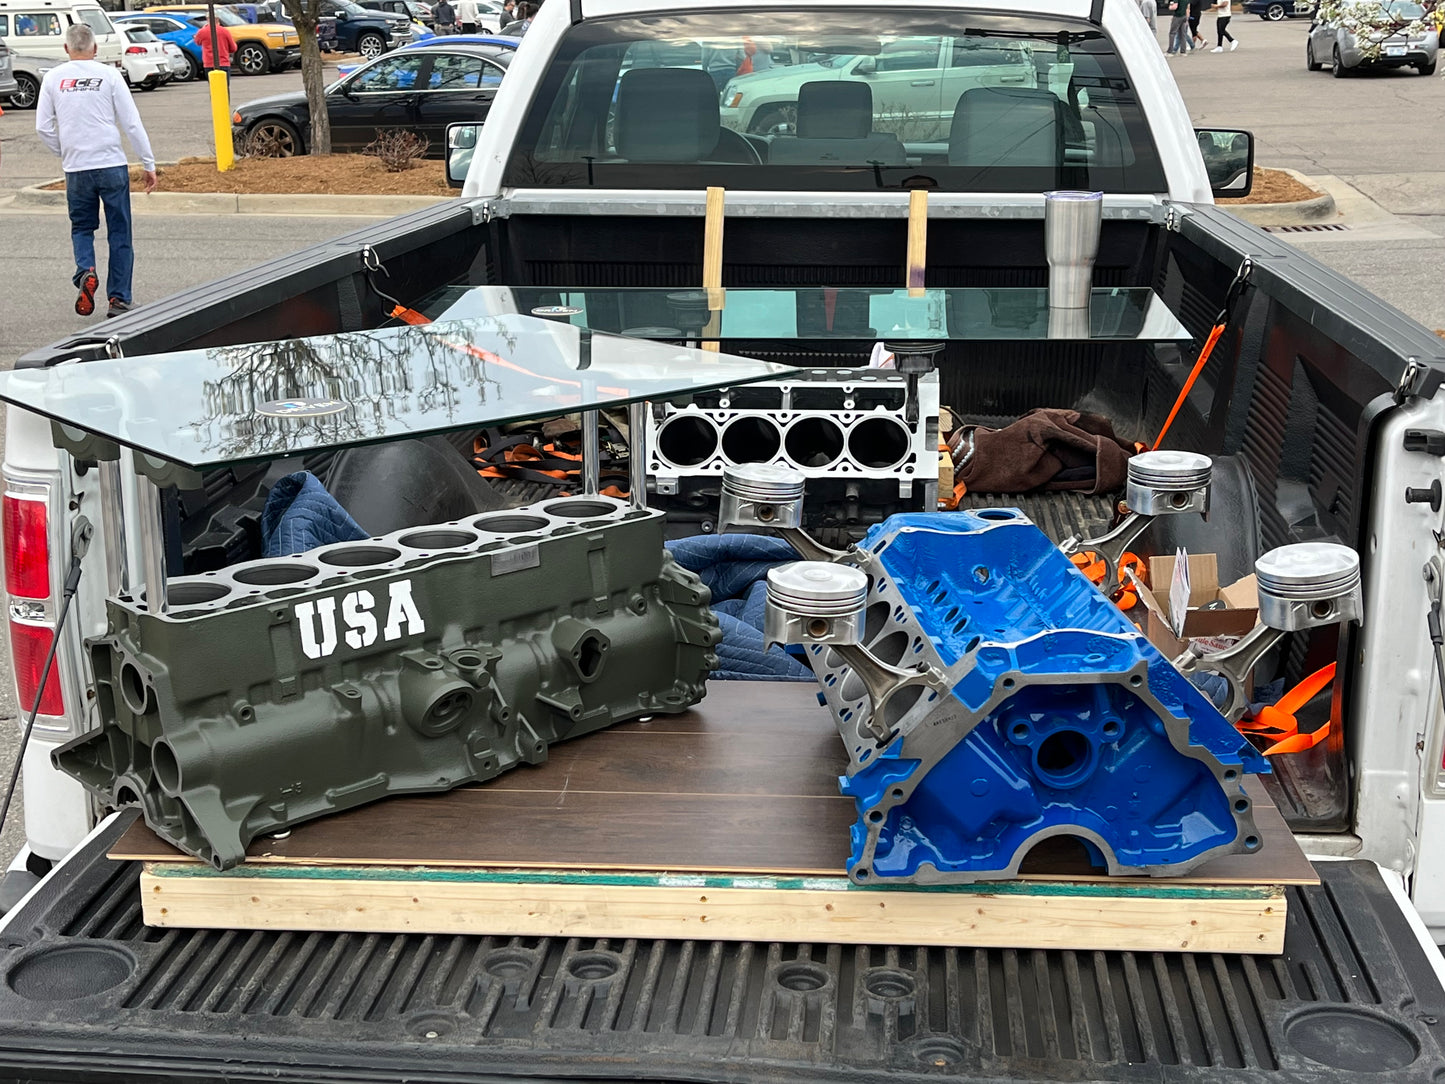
x=712, y=243
x=917, y=241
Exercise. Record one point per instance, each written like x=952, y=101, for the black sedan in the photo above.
x=1276, y=10
x=419, y=89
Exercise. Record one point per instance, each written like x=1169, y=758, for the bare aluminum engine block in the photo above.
x=280, y=690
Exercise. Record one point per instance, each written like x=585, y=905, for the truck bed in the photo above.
x=91, y=994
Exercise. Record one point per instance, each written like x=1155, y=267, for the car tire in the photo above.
x=195, y=72
x=1426, y=69
x=1275, y=13
x=1337, y=66
x=27, y=92
x=1311, y=64
x=287, y=137
x=371, y=46
x=253, y=59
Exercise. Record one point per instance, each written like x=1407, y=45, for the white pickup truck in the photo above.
x=1321, y=408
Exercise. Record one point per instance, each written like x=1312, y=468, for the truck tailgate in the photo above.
x=89, y=993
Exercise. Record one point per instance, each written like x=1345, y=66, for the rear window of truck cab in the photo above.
x=819, y=99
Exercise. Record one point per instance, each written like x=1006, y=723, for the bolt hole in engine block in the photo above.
x=446, y=654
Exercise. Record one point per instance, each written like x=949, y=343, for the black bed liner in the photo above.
x=91, y=994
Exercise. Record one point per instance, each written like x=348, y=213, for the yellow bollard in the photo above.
x=221, y=121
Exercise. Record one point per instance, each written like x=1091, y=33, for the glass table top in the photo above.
x=1128, y=314
x=203, y=408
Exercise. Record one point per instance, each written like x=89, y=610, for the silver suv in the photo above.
x=29, y=74
x=8, y=85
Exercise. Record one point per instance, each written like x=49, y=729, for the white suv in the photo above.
x=37, y=28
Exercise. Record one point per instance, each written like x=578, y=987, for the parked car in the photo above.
x=37, y=28
x=452, y=40
x=29, y=73
x=145, y=63
x=175, y=30
x=8, y=85
x=422, y=90
x=362, y=30
x=1277, y=10
x=416, y=12
x=260, y=47
x=1340, y=48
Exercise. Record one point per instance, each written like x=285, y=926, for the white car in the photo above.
x=180, y=66
x=145, y=61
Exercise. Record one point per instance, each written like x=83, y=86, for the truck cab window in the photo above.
x=809, y=102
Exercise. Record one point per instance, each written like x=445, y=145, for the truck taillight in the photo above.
x=29, y=588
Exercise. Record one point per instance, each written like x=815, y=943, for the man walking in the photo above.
x=1223, y=12
x=1180, y=42
x=83, y=109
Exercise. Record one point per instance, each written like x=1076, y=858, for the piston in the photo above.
x=1309, y=584
x=761, y=495
x=1169, y=483
x=815, y=602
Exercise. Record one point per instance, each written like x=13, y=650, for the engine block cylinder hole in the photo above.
x=508, y=524
x=275, y=575
x=191, y=594
x=133, y=688
x=1064, y=758
x=751, y=440
x=875, y=620
x=814, y=442
x=878, y=443
x=891, y=648
x=166, y=768
x=358, y=556
x=437, y=539
x=900, y=704
x=687, y=440
x=579, y=509
x=995, y=514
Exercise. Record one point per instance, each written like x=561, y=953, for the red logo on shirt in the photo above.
x=81, y=84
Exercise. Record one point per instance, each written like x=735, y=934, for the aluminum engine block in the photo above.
x=1018, y=704
x=281, y=690
x=847, y=426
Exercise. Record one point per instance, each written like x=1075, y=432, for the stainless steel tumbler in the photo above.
x=1071, y=242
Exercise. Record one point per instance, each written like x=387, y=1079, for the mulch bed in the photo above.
x=333, y=174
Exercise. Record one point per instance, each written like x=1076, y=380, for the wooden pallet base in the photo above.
x=737, y=803
x=1132, y=915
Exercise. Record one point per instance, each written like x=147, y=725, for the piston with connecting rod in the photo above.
x=764, y=495
x=1160, y=484
x=1301, y=587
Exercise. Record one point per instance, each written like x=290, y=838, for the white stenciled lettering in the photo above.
x=317, y=647
x=360, y=624
x=402, y=609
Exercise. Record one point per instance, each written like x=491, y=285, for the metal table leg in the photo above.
x=637, y=453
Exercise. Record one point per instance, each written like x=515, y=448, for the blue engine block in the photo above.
x=1063, y=720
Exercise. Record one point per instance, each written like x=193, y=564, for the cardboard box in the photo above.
x=1241, y=600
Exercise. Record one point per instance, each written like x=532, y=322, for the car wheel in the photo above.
x=1337, y=66
x=1426, y=69
x=195, y=72
x=371, y=46
x=1275, y=13
x=283, y=133
x=252, y=59
x=773, y=117
x=1310, y=62
x=27, y=93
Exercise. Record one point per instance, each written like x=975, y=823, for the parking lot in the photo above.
x=1375, y=140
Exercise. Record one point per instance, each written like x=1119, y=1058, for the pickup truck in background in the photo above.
x=1321, y=408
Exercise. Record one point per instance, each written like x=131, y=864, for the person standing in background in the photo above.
x=1223, y=11
x=468, y=16
x=1196, y=12
x=1180, y=43
x=220, y=59
x=1150, y=10
x=83, y=109
x=445, y=17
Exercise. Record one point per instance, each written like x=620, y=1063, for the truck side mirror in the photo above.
x=866, y=66
x=1228, y=160
x=461, y=143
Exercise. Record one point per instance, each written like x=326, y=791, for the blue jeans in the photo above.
x=85, y=193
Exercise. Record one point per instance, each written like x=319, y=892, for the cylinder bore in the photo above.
x=751, y=440
x=275, y=575
x=687, y=440
x=814, y=442
x=571, y=509
x=195, y=592
x=437, y=539
x=133, y=688
x=878, y=443
x=358, y=556
x=166, y=768
x=509, y=524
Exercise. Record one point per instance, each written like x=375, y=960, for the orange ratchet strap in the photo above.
x=1278, y=720
x=1093, y=566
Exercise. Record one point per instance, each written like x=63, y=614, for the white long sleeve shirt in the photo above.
x=83, y=109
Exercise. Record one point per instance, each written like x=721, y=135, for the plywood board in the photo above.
x=745, y=783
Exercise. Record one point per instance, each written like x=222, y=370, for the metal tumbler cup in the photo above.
x=1071, y=242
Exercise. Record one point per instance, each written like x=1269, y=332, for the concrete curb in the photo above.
x=225, y=203
x=1287, y=214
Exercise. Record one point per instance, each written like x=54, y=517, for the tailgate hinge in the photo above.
x=481, y=212
x=1412, y=381
x=1173, y=216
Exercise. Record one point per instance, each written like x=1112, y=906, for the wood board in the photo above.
x=675, y=827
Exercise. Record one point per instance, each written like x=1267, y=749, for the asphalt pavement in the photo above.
x=1376, y=137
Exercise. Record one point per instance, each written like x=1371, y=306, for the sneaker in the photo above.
x=117, y=308
x=1217, y=49
x=1233, y=45
x=85, y=300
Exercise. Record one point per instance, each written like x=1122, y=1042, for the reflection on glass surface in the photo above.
x=233, y=403
x=1134, y=314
